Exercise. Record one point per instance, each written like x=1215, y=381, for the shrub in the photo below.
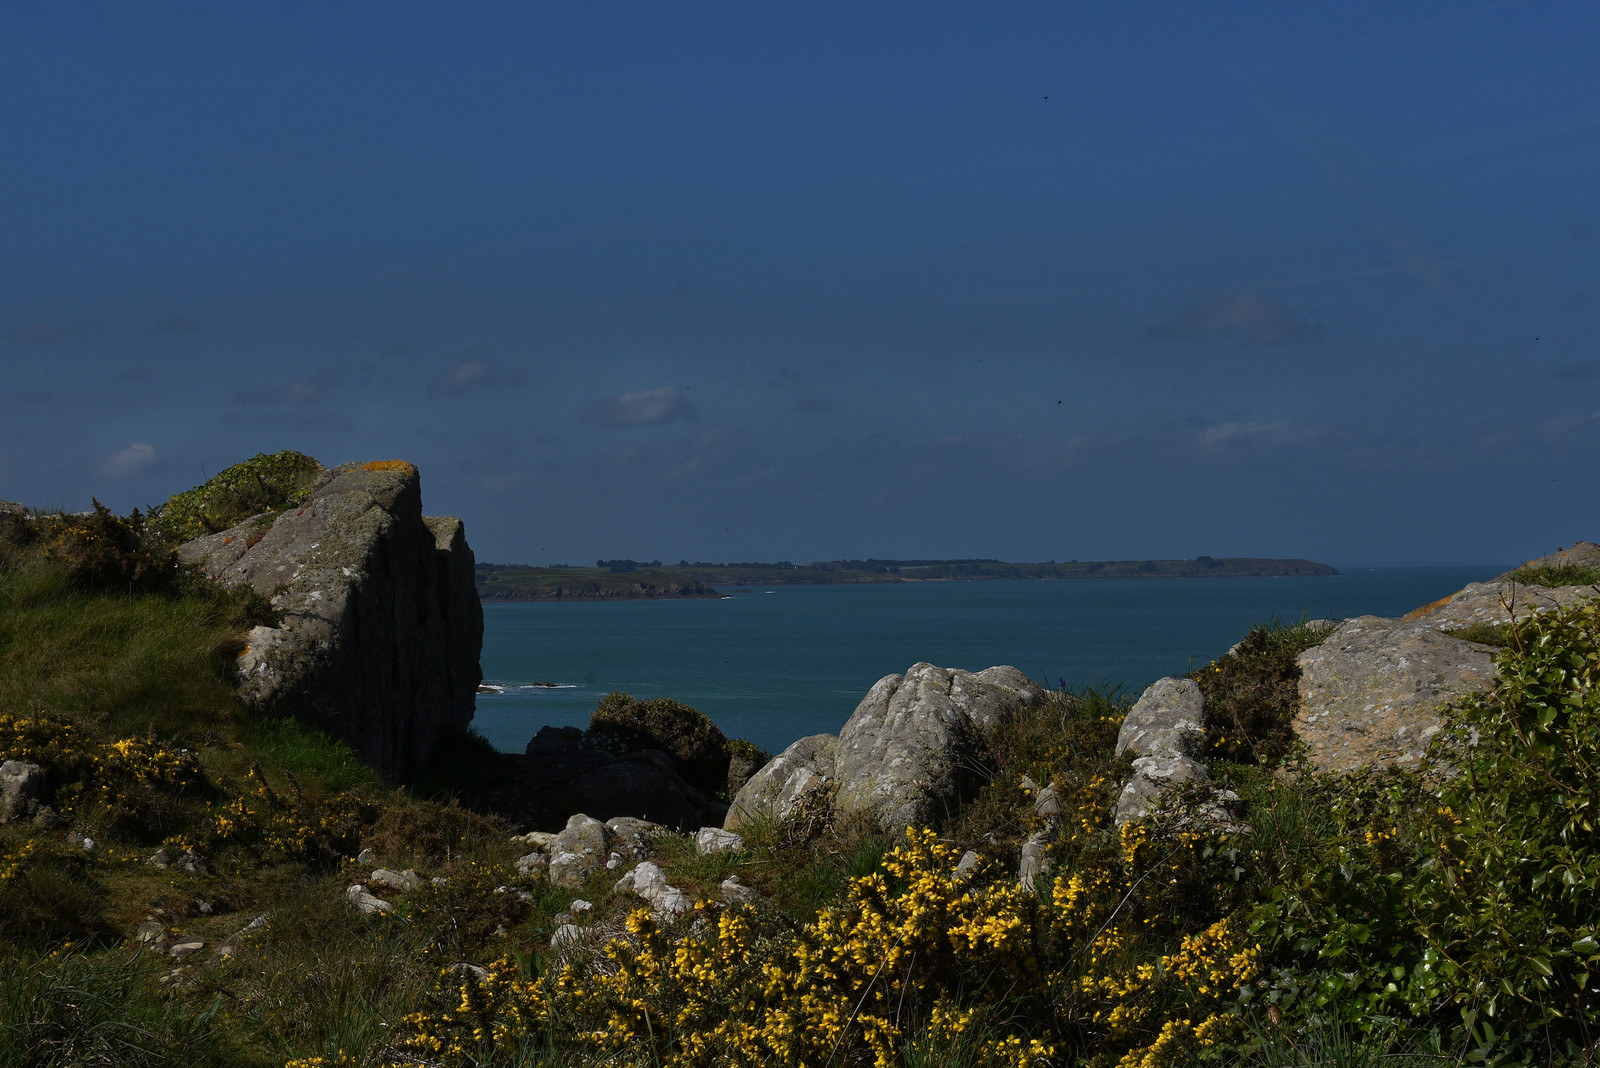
x=99, y=549
x=695, y=744
x=263, y=483
x=1251, y=692
x=1557, y=575
x=745, y=758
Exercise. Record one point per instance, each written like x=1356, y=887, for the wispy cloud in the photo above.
x=640, y=407
x=1247, y=320
x=1224, y=435
x=476, y=372
x=125, y=463
x=40, y=333
x=1574, y=371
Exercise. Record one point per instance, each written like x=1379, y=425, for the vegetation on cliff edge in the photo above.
x=1389, y=918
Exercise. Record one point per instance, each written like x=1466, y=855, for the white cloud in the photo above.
x=639, y=407
x=130, y=461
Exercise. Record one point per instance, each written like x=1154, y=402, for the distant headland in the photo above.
x=632, y=580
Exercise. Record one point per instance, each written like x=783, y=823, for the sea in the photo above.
x=774, y=664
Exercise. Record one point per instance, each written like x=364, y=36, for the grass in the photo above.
x=1557, y=575
x=1498, y=635
x=67, y=1008
x=115, y=662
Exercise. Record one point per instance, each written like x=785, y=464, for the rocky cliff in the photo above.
x=381, y=624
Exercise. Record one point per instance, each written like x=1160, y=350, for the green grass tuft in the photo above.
x=1553, y=575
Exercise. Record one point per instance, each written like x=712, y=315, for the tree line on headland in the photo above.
x=626, y=579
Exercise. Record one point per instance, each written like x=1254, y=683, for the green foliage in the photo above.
x=308, y=753
x=1251, y=692
x=69, y=1009
x=1553, y=575
x=100, y=550
x=126, y=664
x=695, y=744
x=1496, y=634
x=263, y=483
x=1465, y=898
x=745, y=758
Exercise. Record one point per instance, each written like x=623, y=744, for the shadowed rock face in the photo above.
x=382, y=626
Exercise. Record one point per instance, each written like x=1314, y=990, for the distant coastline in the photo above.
x=631, y=580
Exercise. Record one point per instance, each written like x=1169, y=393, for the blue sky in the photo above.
x=748, y=281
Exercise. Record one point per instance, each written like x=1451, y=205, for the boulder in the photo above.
x=733, y=892
x=21, y=789
x=1497, y=601
x=381, y=621
x=650, y=883
x=359, y=896
x=778, y=789
x=633, y=837
x=1164, y=727
x=579, y=851
x=907, y=755
x=716, y=840
x=398, y=881
x=1375, y=692
x=1169, y=717
x=560, y=775
x=1047, y=817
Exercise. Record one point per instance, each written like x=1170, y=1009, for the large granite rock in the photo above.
x=1375, y=692
x=907, y=754
x=1378, y=690
x=1163, y=730
x=381, y=621
x=910, y=750
x=779, y=788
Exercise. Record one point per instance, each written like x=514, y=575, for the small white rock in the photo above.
x=358, y=896
x=716, y=840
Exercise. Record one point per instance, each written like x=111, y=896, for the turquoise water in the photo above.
x=773, y=667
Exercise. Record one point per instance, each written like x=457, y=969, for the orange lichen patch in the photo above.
x=389, y=465
x=228, y=539
x=1418, y=613
x=242, y=653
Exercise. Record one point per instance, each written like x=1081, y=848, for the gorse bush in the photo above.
x=916, y=954
x=101, y=550
x=264, y=483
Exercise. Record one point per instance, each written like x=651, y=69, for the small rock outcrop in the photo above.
x=649, y=882
x=381, y=623
x=779, y=788
x=905, y=757
x=21, y=790
x=580, y=850
x=1162, y=730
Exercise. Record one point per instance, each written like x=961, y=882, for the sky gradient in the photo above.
x=742, y=281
